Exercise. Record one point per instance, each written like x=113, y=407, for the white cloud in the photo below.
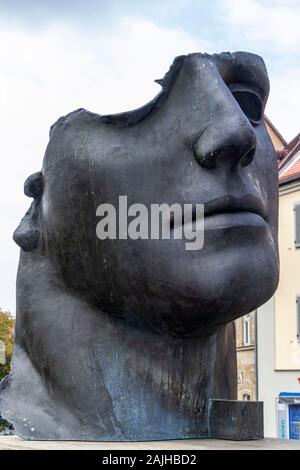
x=271, y=24
x=175, y=7
x=283, y=104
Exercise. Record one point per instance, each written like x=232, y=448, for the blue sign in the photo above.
x=294, y=419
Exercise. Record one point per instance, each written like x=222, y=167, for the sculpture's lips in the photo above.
x=233, y=219
x=229, y=211
x=231, y=204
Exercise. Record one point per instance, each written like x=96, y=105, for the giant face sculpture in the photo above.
x=202, y=140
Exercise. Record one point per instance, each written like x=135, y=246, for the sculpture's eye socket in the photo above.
x=250, y=103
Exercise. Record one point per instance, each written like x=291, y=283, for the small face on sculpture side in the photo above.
x=202, y=141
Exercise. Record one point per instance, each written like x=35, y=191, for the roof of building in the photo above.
x=288, y=154
x=289, y=161
x=276, y=132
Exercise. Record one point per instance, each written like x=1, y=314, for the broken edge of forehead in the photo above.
x=234, y=67
x=243, y=67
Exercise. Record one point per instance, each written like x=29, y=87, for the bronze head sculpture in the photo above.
x=129, y=339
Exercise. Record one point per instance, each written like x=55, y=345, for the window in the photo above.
x=246, y=330
x=246, y=397
x=298, y=317
x=297, y=224
x=240, y=378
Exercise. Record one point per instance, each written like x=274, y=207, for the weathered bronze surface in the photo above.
x=129, y=339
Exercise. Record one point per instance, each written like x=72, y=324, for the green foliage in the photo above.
x=7, y=323
x=6, y=428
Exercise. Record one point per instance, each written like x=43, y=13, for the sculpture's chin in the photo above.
x=194, y=294
x=166, y=289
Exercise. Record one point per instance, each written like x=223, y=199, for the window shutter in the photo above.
x=246, y=330
x=298, y=318
x=297, y=224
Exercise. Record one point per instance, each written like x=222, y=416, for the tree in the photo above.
x=7, y=323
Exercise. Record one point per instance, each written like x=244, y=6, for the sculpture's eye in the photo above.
x=250, y=103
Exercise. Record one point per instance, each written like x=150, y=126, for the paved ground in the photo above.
x=16, y=443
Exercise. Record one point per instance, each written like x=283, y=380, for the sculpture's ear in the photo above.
x=28, y=232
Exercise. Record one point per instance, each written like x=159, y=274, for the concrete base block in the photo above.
x=236, y=420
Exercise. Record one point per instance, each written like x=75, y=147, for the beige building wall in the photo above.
x=276, y=139
x=287, y=346
x=278, y=356
x=271, y=381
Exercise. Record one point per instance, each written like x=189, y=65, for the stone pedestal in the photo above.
x=16, y=443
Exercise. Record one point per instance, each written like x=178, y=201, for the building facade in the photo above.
x=246, y=356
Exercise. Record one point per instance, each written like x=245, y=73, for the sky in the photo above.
x=60, y=55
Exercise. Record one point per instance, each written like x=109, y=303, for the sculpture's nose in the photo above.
x=228, y=139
